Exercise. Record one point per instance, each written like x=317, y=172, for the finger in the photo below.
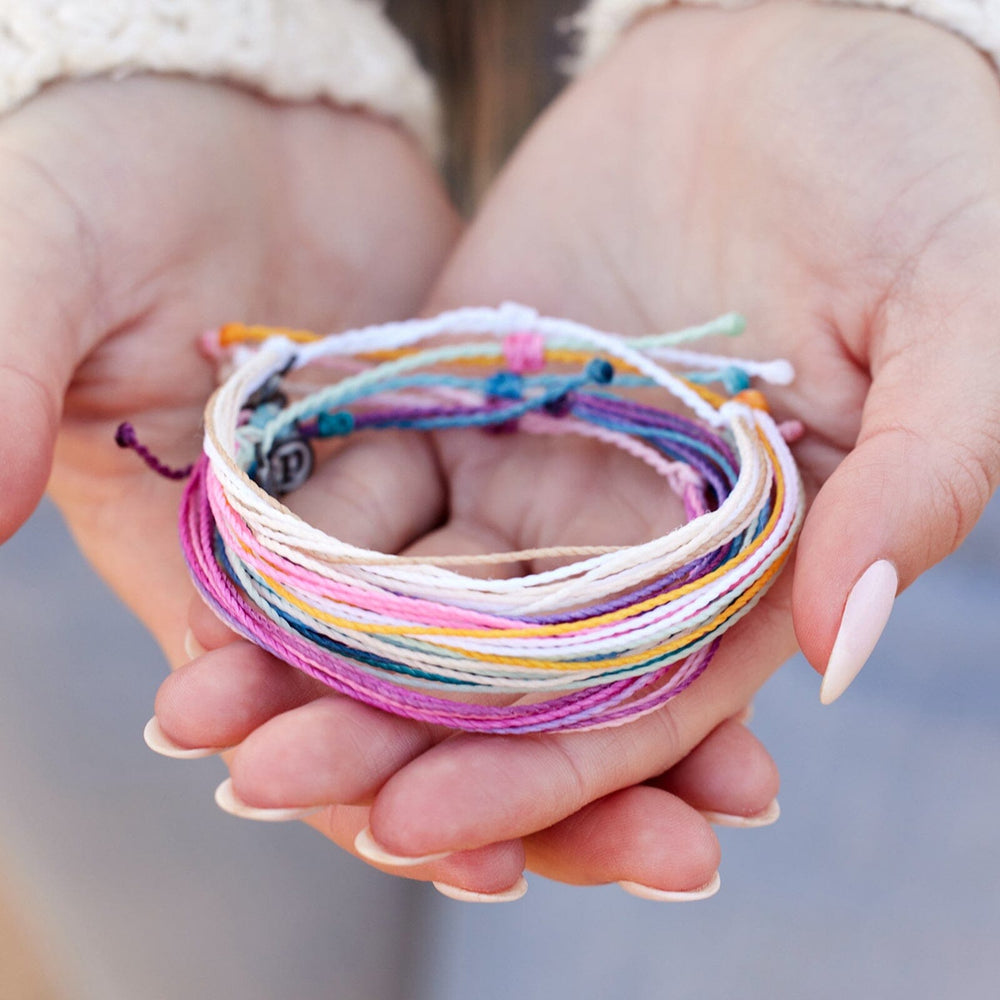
x=490, y=874
x=334, y=750
x=926, y=462
x=218, y=699
x=642, y=836
x=472, y=789
x=206, y=628
x=337, y=750
x=46, y=319
x=328, y=740
x=729, y=777
x=653, y=840
x=331, y=750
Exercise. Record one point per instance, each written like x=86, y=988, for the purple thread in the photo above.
x=125, y=437
x=604, y=703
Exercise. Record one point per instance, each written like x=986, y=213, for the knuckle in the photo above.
x=963, y=485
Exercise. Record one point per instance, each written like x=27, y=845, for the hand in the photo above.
x=298, y=747
x=831, y=174
x=135, y=214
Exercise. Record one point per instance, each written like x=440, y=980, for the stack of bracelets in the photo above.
x=610, y=634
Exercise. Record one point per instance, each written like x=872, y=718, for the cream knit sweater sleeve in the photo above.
x=343, y=51
x=602, y=21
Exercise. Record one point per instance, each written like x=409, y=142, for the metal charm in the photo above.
x=287, y=467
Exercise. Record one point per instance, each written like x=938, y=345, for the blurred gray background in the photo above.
x=880, y=879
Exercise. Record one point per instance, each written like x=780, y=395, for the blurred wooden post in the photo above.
x=496, y=62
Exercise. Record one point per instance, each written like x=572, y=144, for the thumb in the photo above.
x=46, y=322
x=925, y=464
x=36, y=364
x=30, y=418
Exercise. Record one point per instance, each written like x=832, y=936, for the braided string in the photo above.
x=605, y=636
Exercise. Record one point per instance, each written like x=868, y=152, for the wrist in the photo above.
x=600, y=23
x=341, y=51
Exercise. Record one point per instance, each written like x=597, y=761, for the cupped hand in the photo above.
x=832, y=174
x=133, y=215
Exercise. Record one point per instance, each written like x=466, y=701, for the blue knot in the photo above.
x=600, y=371
x=335, y=424
x=734, y=379
x=505, y=385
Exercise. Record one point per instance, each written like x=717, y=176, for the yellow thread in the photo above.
x=558, y=629
x=237, y=333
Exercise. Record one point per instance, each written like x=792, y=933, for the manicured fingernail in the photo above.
x=516, y=891
x=371, y=850
x=226, y=800
x=192, y=647
x=746, y=716
x=865, y=616
x=764, y=818
x=666, y=896
x=158, y=741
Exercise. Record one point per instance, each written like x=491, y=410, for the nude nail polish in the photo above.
x=764, y=818
x=371, y=850
x=158, y=741
x=227, y=801
x=865, y=616
x=668, y=896
x=515, y=892
x=192, y=647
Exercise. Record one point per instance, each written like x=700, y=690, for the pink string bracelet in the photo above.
x=607, y=635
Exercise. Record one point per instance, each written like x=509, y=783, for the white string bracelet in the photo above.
x=610, y=633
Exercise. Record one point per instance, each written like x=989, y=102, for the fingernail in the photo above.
x=865, y=616
x=371, y=850
x=227, y=801
x=666, y=896
x=764, y=818
x=192, y=647
x=516, y=891
x=158, y=741
x=746, y=716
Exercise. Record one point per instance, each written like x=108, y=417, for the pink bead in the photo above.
x=524, y=352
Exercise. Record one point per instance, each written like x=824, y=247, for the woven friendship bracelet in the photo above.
x=611, y=633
